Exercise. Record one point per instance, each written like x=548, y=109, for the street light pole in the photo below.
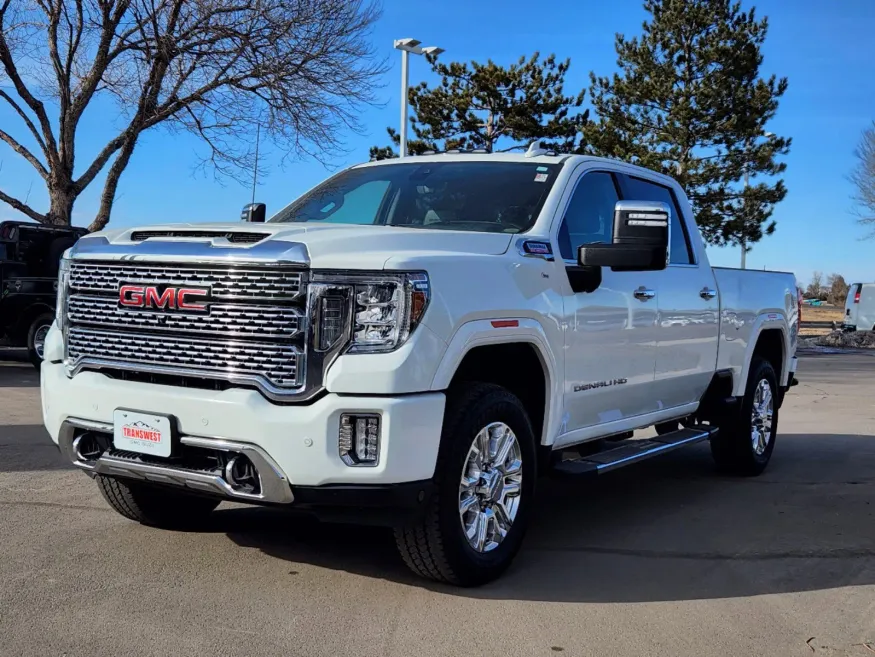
x=405, y=59
x=407, y=46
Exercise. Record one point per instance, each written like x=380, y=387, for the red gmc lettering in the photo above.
x=166, y=299
x=148, y=296
x=182, y=304
x=131, y=295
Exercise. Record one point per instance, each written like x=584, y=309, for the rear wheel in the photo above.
x=36, y=338
x=155, y=506
x=746, y=440
x=485, y=480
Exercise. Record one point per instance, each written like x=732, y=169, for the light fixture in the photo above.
x=358, y=441
x=407, y=46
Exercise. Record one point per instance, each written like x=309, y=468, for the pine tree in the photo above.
x=494, y=108
x=689, y=101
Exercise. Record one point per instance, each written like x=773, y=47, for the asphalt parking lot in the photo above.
x=665, y=558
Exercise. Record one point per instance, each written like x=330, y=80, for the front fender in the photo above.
x=508, y=330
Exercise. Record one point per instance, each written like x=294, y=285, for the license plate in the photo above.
x=144, y=433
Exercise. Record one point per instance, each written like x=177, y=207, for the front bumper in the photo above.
x=298, y=441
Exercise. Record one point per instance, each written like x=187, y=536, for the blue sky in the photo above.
x=824, y=48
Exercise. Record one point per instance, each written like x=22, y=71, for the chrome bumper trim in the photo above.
x=275, y=488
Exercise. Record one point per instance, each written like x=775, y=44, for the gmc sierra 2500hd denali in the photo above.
x=411, y=343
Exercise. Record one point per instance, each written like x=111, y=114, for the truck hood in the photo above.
x=324, y=246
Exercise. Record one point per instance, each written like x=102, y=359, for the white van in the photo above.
x=860, y=308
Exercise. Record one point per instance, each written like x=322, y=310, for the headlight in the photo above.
x=386, y=308
x=61, y=301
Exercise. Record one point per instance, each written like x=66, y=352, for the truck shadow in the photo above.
x=669, y=529
x=28, y=448
x=16, y=371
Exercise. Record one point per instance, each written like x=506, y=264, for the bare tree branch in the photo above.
x=863, y=178
x=12, y=73
x=26, y=119
x=21, y=207
x=299, y=69
x=26, y=154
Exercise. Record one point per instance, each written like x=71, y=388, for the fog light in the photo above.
x=359, y=439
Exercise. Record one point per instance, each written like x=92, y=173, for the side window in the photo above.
x=644, y=190
x=590, y=214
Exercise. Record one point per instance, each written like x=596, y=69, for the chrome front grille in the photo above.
x=235, y=320
x=226, y=283
x=235, y=361
x=253, y=332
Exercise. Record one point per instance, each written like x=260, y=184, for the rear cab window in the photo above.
x=639, y=189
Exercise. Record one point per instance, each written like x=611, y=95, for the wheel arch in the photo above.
x=22, y=327
x=770, y=339
x=511, y=354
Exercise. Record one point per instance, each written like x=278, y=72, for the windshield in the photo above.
x=495, y=197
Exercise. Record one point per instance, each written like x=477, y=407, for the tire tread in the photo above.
x=731, y=448
x=422, y=546
x=152, y=506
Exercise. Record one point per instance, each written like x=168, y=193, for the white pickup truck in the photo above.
x=412, y=343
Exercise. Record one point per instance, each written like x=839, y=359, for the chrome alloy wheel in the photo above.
x=491, y=485
x=761, y=417
x=39, y=339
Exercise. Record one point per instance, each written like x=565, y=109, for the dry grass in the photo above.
x=814, y=332
x=822, y=314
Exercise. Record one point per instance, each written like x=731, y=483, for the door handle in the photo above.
x=707, y=293
x=643, y=294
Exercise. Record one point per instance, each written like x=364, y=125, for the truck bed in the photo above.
x=747, y=299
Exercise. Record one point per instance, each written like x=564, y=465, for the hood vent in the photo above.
x=233, y=237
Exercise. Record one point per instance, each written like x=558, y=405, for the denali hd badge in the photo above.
x=599, y=384
x=162, y=297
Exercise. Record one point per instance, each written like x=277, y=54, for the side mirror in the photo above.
x=640, y=239
x=253, y=213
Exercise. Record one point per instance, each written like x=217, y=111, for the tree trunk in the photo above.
x=61, y=200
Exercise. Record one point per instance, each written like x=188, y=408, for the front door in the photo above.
x=610, y=344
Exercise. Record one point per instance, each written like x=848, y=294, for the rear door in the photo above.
x=852, y=304
x=866, y=308
x=688, y=324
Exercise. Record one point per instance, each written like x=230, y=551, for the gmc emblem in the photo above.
x=162, y=297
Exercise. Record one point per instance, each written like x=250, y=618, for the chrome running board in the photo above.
x=632, y=451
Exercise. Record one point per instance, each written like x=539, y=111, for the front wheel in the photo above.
x=154, y=506
x=746, y=440
x=36, y=338
x=485, y=480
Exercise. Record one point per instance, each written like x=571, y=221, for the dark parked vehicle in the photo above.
x=29, y=258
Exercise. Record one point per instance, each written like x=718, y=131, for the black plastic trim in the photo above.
x=386, y=505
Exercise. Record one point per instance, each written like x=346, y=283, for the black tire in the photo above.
x=437, y=548
x=732, y=447
x=43, y=321
x=153, y=506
